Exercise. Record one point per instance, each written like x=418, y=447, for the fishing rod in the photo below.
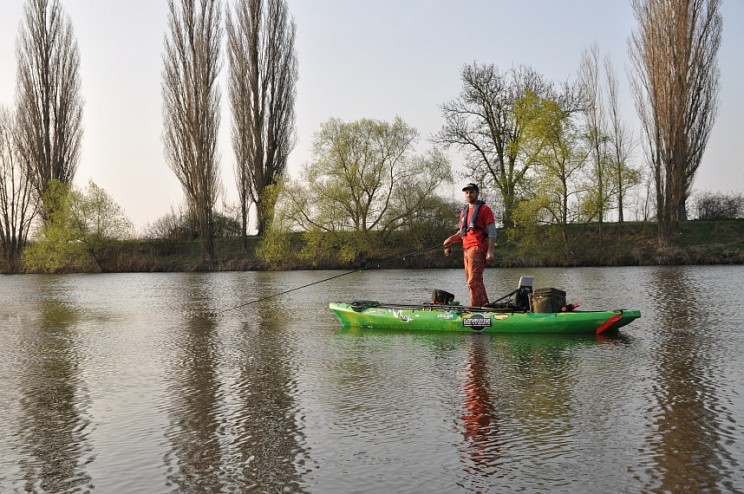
x=250, y=302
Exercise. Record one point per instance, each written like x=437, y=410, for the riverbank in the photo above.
x=610, y=244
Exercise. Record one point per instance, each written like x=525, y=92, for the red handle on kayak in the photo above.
x=609, y=323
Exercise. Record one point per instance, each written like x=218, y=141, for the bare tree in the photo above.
x=596, y=133
x=609, y=142
x=49, y=106
x=191, y=102
x=17, y=204
x=262, y=79
x=485, y=122
x=674, y=54
x=621, y=145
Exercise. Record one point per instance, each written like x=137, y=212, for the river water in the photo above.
x=157, y=383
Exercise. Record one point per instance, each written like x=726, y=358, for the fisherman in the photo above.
x=478, y=236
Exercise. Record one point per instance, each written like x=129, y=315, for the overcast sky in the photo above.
x=357, y=59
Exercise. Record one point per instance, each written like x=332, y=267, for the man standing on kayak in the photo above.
x=478, y=236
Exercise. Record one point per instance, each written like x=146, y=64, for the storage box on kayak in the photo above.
x=547, y=300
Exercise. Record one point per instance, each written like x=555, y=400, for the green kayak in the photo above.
x=438, y=317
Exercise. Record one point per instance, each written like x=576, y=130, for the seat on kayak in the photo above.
x=519, y=299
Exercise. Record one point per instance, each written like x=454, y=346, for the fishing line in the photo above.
x=329, y=279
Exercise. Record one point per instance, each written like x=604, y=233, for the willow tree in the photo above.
x=191, y=103
x=676, y=84
x=17, y=205
x=365, y=182
x=262, y=79
x=49, y=103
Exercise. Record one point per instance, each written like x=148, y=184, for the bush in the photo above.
x=716, y=206
x=179, y=225
x=175, y=225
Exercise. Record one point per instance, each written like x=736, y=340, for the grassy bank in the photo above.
x=611, y=244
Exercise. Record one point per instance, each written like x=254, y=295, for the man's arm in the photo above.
x=453, y=239
x=491, y=232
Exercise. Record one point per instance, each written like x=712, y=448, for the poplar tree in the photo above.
x=596, y=135
x=624, y=175
x=262, y=80
x=191, y=103
x=676, y=84
x=49, y=103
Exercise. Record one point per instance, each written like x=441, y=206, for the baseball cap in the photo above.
x=470, y=186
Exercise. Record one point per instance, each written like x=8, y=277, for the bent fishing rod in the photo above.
x=368, y=266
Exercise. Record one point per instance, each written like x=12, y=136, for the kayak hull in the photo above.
x=482, y=320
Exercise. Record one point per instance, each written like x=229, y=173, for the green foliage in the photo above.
x=560, y=158
x=319, y=246
x=549, y=203
x=225, y=226
x=57, y=246
x=533, y=213
x=98, y=219
x=364, y=183
x=542, y=245
x=275, y=247
x=590, y=206
x=269, y=198
x=436, y=220
x=337, y=249
x=79, y=230
x=52, y=255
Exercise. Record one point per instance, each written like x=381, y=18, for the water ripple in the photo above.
x=104, y=376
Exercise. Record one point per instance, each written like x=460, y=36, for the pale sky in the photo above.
x=357, y=59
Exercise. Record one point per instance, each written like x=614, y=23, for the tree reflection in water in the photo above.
x=54, y=427
x=233, y=424
x=686, y=444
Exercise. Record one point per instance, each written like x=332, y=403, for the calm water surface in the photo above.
x=134, y=383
